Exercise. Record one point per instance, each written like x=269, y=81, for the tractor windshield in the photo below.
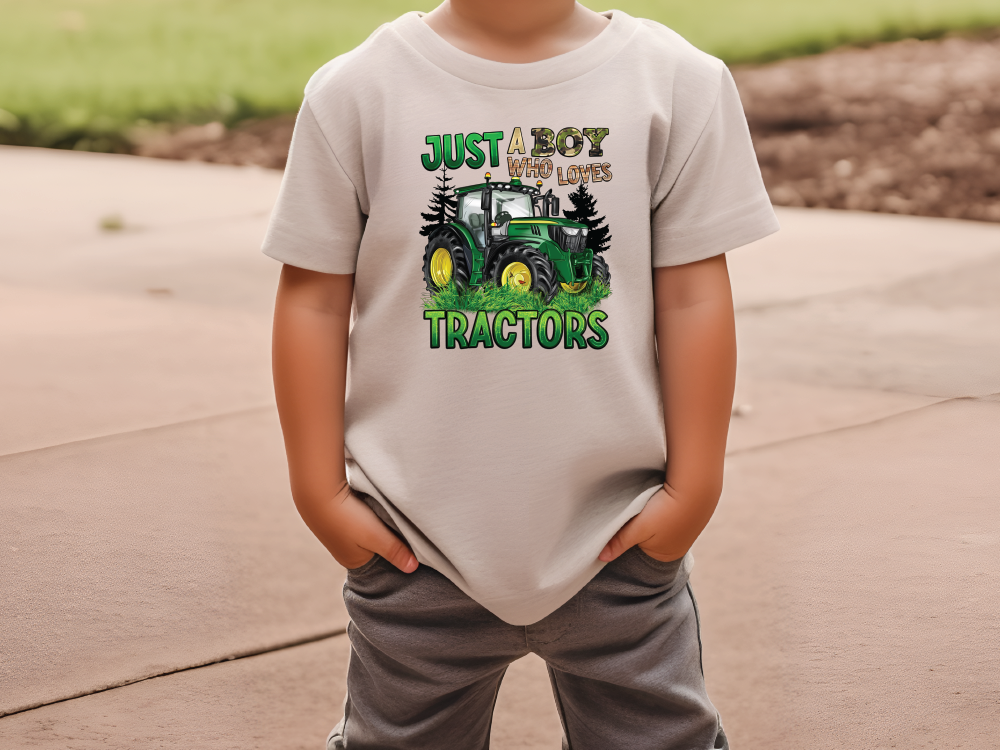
x=515, y=205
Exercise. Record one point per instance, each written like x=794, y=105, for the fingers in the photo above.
x=661, y=530
x=628, y=536
x=363, y=533
x=613, y=549
x=392, y=548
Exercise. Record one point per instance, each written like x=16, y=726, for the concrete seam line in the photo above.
x=165, y=425
x=223, y=660
x=845, y=428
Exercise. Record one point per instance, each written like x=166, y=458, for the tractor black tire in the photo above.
x=543, y=273
x=599, y=270
x=448, y=240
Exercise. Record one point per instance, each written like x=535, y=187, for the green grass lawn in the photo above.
x=491, y=298
x=81, y=72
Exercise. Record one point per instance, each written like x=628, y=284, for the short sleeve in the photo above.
x=711, y=197
x=317, y=220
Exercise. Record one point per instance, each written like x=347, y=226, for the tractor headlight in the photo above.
x=571, y=231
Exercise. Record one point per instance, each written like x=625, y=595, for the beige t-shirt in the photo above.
x=504, y=404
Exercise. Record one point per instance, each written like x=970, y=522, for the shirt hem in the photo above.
x=520, y=608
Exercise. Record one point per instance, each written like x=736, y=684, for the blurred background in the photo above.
x=909, y=129
x=157, y=588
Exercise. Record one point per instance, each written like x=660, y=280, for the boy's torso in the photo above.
x=507, y=435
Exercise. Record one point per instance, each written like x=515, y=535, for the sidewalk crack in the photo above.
x=221, y=660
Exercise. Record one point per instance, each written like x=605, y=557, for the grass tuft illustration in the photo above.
x=491, y=298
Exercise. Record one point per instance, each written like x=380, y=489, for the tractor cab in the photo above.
x=487, y=208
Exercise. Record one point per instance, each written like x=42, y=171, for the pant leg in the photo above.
x=626, y=666
x=426, y=662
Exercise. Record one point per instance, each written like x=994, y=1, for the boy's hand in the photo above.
x=665, y=529
x=353, y=534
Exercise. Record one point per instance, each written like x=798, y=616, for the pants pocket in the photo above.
x=367, y=567
x=636, y=573
x=662, y=564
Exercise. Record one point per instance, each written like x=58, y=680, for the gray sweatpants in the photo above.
x=624, y=660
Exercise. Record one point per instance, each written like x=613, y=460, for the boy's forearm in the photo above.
x=696, y=341
x=312, y=318
x=696, y=346
x=309, y=360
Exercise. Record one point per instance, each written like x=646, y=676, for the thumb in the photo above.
x=392, y=548
x=628, y=536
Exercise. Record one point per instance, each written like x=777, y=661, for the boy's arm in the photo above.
x=309, y=358
x=696, y=343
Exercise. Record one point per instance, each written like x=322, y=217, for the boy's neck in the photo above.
x=515, y=31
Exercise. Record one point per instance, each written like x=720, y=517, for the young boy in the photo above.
x=505, y=225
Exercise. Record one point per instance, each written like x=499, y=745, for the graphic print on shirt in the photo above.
x=500, y=263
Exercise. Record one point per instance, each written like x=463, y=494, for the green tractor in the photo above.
x=511, y=235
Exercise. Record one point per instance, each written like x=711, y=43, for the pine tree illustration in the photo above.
x=584, y=211
x=442, y=207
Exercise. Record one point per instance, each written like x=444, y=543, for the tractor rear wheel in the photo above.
x=599, y=270
x=445, y=262
x=523, y=267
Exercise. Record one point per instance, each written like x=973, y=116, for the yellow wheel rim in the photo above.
x=574, y=288
x=517, y=275
x=441, y=267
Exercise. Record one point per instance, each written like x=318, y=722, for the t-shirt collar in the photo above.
x=532, y=75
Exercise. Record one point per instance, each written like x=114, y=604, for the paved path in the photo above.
x=155, y=580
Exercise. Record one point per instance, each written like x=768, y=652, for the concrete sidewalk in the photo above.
x=159, y=590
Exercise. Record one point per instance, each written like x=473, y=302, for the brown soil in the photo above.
x=260, y=142
x=909, y=127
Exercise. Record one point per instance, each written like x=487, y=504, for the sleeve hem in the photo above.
x=741, y=227
x=313, y=259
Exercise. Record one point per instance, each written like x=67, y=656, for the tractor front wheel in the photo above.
x=523, y=267
x=599, y=272
x=445, y=262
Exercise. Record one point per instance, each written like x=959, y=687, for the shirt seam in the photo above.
x=694, y=147
x=333, y=152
